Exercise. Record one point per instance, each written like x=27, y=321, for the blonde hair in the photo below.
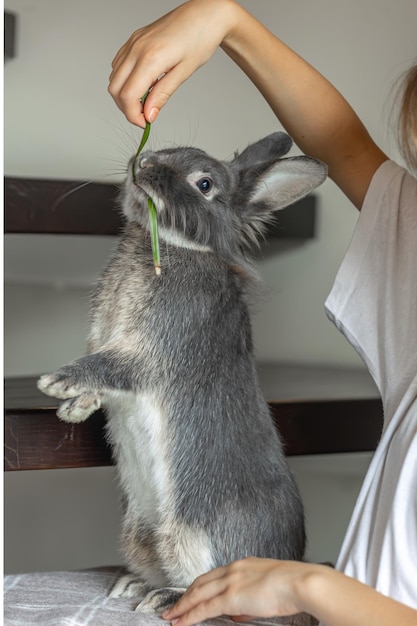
x=407, y=118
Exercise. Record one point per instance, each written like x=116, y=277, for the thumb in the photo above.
x=162, y=91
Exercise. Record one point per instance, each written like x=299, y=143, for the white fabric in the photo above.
x=374, y=304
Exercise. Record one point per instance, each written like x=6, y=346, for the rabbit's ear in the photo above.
x=278, y=186
x=287, y=181
x=269, y=148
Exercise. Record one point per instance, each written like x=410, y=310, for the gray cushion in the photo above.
x=82, y=597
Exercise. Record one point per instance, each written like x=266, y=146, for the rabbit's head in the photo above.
x=223, y=206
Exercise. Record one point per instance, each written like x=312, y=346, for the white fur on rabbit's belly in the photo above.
x=136, y=429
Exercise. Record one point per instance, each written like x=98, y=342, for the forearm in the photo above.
x=313, y=112
x=338, y=600
x=269, y=588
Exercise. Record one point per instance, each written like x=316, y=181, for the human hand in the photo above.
x=164, y=54
x=244, y=589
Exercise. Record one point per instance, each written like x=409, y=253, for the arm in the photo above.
x=275, y=588
x=313, y=112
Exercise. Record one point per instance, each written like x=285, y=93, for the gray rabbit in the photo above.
x=170, y=359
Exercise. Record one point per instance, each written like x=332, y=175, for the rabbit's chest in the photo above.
x=118, y=315
x=138, y=432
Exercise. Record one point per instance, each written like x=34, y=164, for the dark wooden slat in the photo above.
x=36, y=439
x=60, y=207
x=326, y=427
x=39, y=440
x=77, y=208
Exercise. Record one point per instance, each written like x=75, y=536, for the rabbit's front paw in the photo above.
x=159, y=600
x=60, y=384
x=78, y=409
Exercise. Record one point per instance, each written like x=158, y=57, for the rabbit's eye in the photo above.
x=205, y=184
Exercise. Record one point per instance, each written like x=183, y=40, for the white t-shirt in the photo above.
x=373, y=302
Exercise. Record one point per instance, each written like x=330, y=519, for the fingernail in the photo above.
x=166, y=614
x=153, y=114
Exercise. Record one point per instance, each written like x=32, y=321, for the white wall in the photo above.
x=69, y=519
x=60, y=122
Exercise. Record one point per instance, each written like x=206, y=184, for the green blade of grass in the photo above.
x=141, y=145
x=153, y=216
x=144, y=137
x=153, y=223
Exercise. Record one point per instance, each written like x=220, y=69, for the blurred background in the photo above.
x=61, y=123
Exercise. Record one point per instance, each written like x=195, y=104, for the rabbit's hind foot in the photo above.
x=159, y=600
x=129, y=586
